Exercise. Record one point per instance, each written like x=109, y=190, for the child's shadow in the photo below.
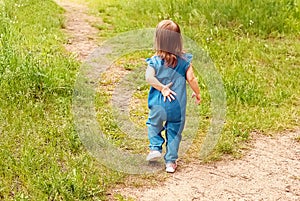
x=155, y=164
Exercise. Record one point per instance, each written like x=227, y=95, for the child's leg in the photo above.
x=155, y=126
x=155, y=138
x=173, y=137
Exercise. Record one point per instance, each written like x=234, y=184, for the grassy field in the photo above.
x=41, y=156
x=254, y=45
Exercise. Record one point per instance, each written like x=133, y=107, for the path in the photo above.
x=269, y=171
x=82, y=36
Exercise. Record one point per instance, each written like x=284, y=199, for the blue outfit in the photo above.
x=172, y=113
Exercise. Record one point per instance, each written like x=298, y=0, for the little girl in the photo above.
x=167, y=73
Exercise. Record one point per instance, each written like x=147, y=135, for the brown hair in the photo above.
x=168, y=42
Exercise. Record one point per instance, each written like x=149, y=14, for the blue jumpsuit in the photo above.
x=172, y=113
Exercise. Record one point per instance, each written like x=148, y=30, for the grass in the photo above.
x=254, y=47
x=41, y=156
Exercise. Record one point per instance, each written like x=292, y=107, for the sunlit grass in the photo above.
x=41, y=156
x=253, y=45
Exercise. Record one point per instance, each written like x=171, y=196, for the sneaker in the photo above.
x=153, y=155
x=171, y=167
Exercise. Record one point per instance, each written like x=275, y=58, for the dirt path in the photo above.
x=82, y=36
x=269, y=171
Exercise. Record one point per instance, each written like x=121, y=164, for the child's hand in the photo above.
x=168, y=93
x=198, y=98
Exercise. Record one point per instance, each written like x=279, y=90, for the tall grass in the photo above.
x=41, y=157
x=261, y=18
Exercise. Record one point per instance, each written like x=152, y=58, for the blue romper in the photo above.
x=173, y=113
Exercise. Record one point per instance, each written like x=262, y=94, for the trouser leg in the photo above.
x=173, y=137
x=155, y=126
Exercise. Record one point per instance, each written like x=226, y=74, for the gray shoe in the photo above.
x=153, y=155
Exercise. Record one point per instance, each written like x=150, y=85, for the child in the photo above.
x=167, y=73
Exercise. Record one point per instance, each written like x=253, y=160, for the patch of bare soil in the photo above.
x=270, y=170
x=82, y=36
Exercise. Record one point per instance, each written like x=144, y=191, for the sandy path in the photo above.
x=269, y=171
x=83, y=37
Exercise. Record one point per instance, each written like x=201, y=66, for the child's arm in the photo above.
x=190, y=77
x=154, y=82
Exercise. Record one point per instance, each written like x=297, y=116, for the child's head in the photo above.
x=168, y=41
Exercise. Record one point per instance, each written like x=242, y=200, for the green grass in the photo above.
x=261, y=18
x=41, y=156
x=106, y=116
x=253, y=45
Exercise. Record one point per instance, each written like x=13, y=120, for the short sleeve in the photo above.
x=155, y=62
x=150, y=62
x=188, y=59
